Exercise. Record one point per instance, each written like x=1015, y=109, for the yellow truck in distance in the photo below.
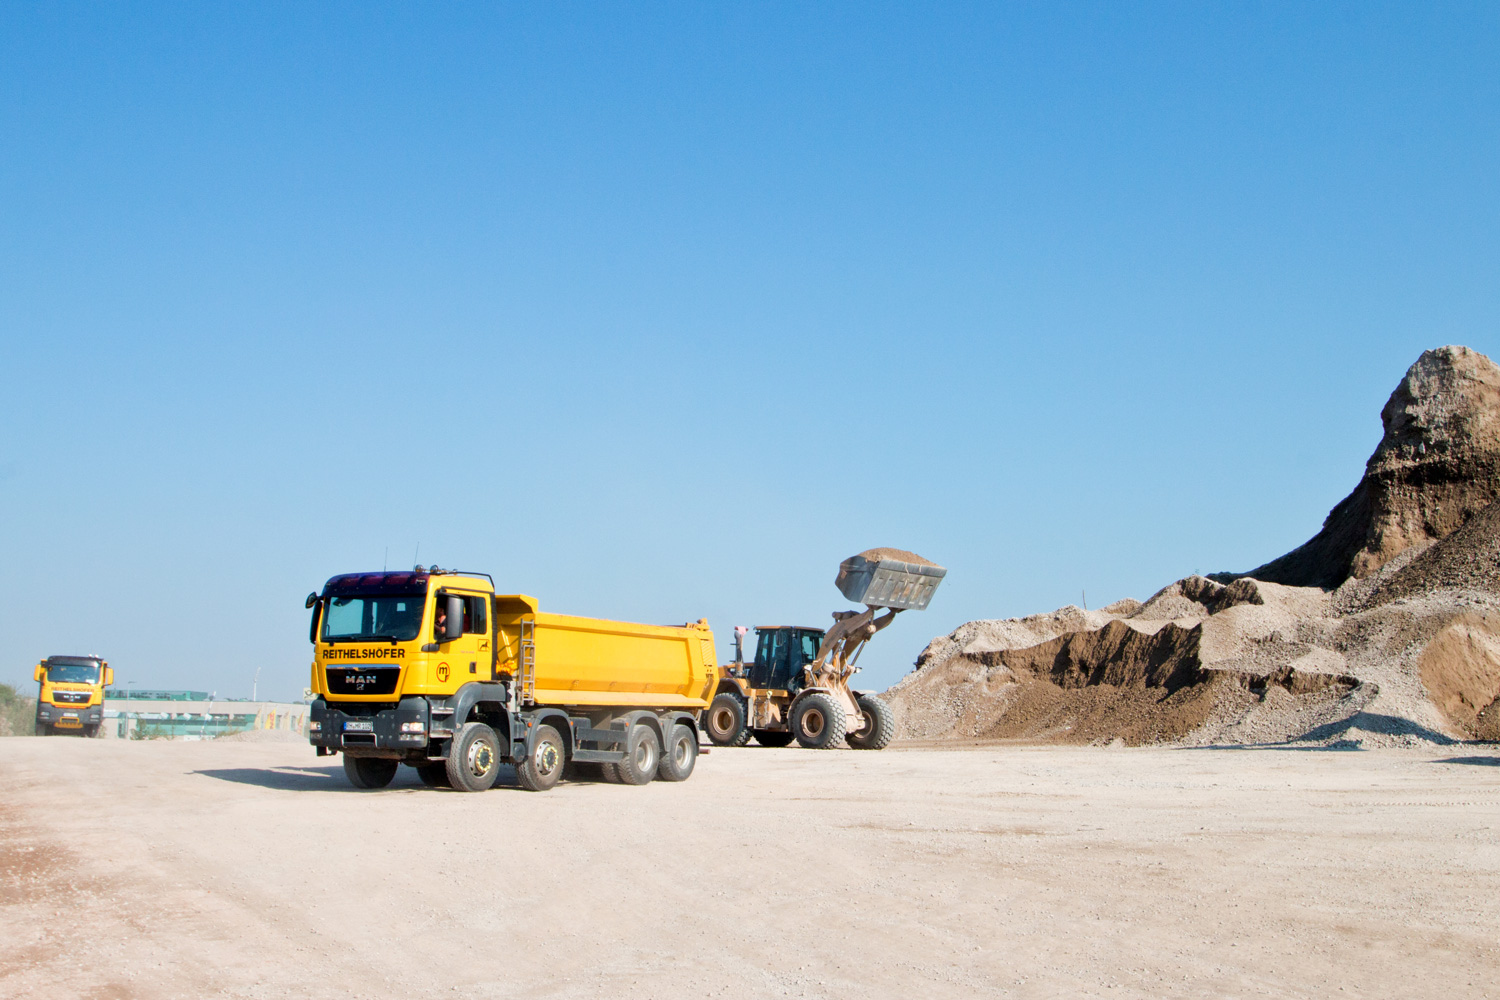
x=71, y=696
x=433, y=669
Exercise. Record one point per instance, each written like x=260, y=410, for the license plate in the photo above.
x=359, y=727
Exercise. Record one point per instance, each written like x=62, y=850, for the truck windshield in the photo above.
x=73, y=673
x=373, y=616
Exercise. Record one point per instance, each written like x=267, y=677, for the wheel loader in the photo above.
x=797, y=686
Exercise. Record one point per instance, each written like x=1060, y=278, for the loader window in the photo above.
x=810, y=645
x=373, y=616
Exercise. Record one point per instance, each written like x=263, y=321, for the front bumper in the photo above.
x=370, y=728
x=68, y=716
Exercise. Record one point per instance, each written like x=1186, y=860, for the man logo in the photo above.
x=442, y=672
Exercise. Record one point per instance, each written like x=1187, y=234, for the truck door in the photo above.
x=470, y=656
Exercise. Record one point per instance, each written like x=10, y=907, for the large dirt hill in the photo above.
x=1384, y=627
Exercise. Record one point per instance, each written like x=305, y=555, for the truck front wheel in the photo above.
x=818, y=721
x=474, y=758
x=642, y=756
x=682, y=753
x=543, y=766
x=369, y=772
x=725, y=721
x=42, y=729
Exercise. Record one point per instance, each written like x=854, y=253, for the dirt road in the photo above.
x=156, y=869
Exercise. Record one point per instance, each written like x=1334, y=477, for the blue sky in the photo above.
x=658, y=311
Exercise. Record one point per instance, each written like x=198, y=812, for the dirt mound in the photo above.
x=1437, y=464
x=1406, y=648
x=1111, y=683
x=900, y=555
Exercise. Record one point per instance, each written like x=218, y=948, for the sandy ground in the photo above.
x=252, y=870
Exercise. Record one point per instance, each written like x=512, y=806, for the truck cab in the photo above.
x=71, y=694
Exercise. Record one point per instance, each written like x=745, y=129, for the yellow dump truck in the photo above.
x=433, y=669
x=71, y=697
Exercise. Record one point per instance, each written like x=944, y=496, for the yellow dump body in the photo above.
x=594, y=661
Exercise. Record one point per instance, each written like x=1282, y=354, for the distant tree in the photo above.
x=17, y=713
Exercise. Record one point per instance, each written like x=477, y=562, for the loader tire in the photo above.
x=369, y=772
x=879, y=724
x=773, y=738
x=725, y=721
x=473, y=758
x=818, y=722
x=434, y=775
x=544, y=765
x=682, y=753
x=642, y=756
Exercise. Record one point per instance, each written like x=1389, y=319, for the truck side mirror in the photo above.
x=454, y=626
x=311, y=600
x=39, y=674
x=109, y=676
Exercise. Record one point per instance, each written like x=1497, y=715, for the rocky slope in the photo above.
x=1385, y=627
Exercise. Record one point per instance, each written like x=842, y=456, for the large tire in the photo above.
x=369, y=772
x=724, y=722
x=473, y=758
x=544, y=765
x=434, y=775
x=879, y=724
x=642, y=756
x=682, y=753
x=773, y=738
x=91, y=732
x=818, y=721
x=42, y=729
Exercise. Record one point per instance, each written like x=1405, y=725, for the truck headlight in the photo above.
x=413, y=727
x=316, y=727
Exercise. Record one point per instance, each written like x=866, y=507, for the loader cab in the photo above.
x=781, y=652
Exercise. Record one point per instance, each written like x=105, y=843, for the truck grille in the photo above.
x=363, y=680
x=69, y=697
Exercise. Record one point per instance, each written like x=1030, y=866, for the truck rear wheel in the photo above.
x=369, y=772
x=682, y=753
x=773, y=738
x=434, y=775
x=879, y=724
x=642, y=756
x=818, y=721
x=543, y=766
x=474, y=758
x=725, y=721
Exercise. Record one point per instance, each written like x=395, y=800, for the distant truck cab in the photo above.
x=71, y=696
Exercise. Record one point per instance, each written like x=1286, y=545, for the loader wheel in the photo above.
x=773, y=738
x=818, y=721
x=682, y=753
x=642, y=756
x=544, y=766
x=879, y=724
x=474, y=758
x=434, y=775
x=725, y=721
x=369, y=772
